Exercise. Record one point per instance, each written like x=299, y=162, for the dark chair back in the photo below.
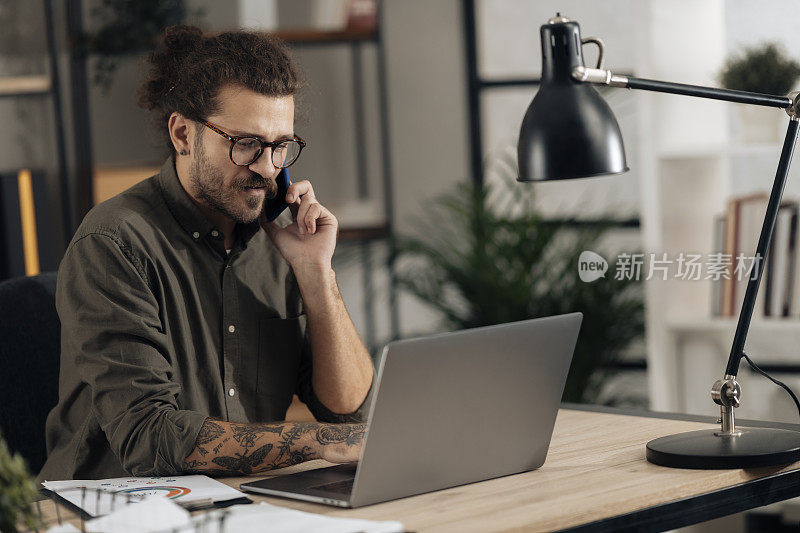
x=30, y=350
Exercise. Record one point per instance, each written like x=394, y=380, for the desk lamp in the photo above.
x=569, y=131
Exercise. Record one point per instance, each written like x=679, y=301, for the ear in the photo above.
x=180, y=132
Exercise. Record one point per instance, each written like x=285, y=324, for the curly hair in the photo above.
x=188, y=68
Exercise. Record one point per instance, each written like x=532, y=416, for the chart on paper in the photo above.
x=99, y=497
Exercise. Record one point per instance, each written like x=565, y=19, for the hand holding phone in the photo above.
x=309, y=241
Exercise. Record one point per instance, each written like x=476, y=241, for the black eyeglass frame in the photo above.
x=272, y=145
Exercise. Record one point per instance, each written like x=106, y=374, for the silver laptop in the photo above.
x=448, y=410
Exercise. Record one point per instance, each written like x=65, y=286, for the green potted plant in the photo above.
x=486, y=257
x=17, y=493
x=763, y=68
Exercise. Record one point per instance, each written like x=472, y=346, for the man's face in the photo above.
x=234, y=191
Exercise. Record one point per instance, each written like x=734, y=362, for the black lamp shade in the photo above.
x=568, y=131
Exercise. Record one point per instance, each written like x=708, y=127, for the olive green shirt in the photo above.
x=161, y=328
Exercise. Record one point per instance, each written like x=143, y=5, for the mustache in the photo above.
x=256, y=180
x=253, y=180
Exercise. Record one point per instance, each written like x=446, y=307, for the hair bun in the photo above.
x=182, y=38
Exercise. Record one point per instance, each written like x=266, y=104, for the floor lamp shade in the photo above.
x=568, y=131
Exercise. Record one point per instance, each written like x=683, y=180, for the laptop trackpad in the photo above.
x=310, y=478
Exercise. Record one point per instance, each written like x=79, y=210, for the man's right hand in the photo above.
x=233, y=448
x=341, y=443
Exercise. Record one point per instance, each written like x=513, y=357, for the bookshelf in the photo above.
x=693, y=163
x=43, y=247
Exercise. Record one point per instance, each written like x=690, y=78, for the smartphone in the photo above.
x=275, y=206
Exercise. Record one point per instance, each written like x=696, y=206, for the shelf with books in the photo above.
x=735, y=236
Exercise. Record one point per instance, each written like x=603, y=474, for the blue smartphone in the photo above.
x=275, y=206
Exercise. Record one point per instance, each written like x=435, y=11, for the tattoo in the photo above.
x=335, y=434
x=293, y=443
x=286, y=455
x=248, y=434
x=218, y=446
x=209, y=432
x=295, y=457
x=243, y=463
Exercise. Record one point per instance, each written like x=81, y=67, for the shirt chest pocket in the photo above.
x=280, y=344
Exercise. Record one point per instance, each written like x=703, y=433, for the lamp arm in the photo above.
x=726, y=392
x=762, y=247
x=606, y=77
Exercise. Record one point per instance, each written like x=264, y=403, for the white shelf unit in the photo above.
x=692, y=164
x=700, y=350
x=684, y=172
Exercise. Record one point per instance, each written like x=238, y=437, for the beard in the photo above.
x=227, y=199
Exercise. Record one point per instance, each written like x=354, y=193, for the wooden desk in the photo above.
x=595, y=478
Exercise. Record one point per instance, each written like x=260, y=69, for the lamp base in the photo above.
x=751, y=448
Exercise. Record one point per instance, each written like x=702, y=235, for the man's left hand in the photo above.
x=309, y=241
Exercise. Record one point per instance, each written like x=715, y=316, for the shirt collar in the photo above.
x=188, y=215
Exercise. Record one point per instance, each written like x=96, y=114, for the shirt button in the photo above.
x=196, y=234
x=215, y=233
x=231, y=392
x=231, y=328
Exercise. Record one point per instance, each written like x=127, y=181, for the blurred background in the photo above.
x=412, y=111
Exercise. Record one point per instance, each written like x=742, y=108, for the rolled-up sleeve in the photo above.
x=305, y=391
x=112, y=329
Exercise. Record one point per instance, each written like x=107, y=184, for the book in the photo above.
x=778, y=279
x=728, y=249
x=30, y=241
x=720, y=225
x=793, y=266
x=743, y=228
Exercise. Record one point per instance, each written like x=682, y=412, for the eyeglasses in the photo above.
x=245, y=150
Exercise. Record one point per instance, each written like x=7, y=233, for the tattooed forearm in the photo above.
x=210, y=431
x=229, y=447
x=351, y=434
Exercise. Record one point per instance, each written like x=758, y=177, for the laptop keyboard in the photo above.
x=340, y=487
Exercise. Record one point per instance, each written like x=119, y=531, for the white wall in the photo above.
x=746, y=26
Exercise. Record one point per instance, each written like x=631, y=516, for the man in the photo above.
x=188, y=319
